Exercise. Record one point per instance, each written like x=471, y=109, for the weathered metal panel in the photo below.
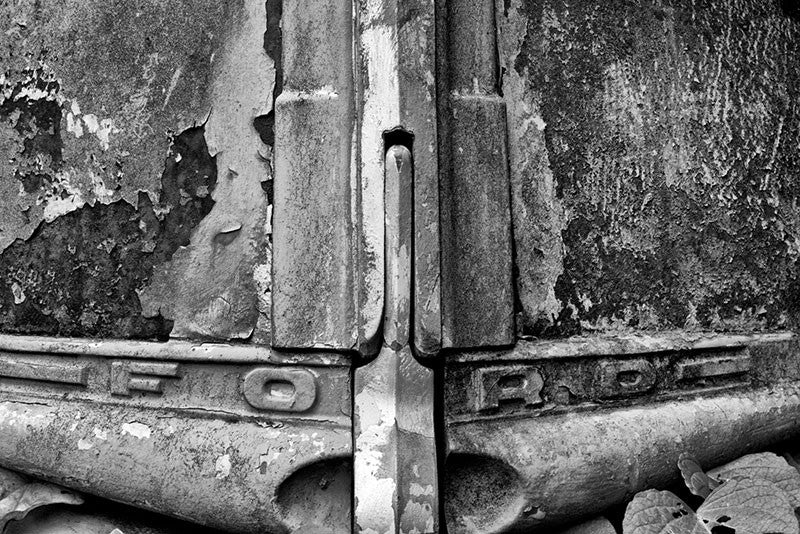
x=314, y=291
x=418, y=101
x=397, y=48
x=477, y=286
x=395, y=457
x=653, y=163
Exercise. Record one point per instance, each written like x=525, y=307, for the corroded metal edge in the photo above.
x=617, y=345
x=567, y=377
x=169, y=350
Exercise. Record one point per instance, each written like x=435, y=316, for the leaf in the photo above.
x=688, y=524
x=31, y=496
x=749, y=506
x=791, y=461
x=766, y=466
x=696, y=480
x=660, y=512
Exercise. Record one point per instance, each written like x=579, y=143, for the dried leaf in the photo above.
x=791, y=461
x=696, y=480
x=749, y=506
x=766, y=466
x=658, y=512
x=688, y=524
x=31, y=496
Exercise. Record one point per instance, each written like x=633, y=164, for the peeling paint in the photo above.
x=18, y=292
x=87, y=114
x=417, y=490
x=222, y=466
x=377, y=421
x=208, y=288
x=104, y=84
x=537, y=212
x=81, y=271
x=137, y=430
x=380, y=113
x=13, y=416
x=418, y=514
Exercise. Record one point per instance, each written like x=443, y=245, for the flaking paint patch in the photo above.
x=87, y=114
x=538, y=215
x=380, y=113
x=74, y=189
x=77, y=124
x=19, y=293
x=137, y=430
x=22, y=210
x=374, y=468
x=222, y=466
x=208, y=288
x=420, y=515
x=20, y=417
x=418, y=490
x=110, y=89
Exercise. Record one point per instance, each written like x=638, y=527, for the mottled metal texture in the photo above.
x=397, y=89
x=395, y=457
x=477, y=286
x=329, y=274
x=101, y=517
x=418, y=97
x=378, y=112
x=395, y=465
x=110, y=163
x=234, y=439
x=565, y=432
x=315, y=297
x=654, y=163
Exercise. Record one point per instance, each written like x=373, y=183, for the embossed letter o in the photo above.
x=281, y=390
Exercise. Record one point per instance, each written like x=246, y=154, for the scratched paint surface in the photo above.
x=655, y=163
x=127, y=175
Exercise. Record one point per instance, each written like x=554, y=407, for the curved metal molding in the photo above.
x=209, y=433
x=173, y=350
